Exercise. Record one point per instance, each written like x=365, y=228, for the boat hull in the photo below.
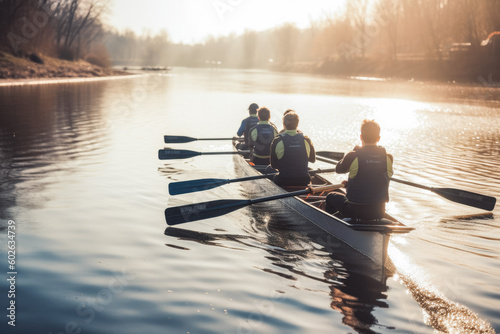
x=368, y=239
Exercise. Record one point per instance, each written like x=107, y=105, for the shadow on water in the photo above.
x=355, y=284
x=45, y=129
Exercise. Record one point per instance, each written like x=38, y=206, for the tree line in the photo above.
x=365, y=32
x=381, y=30
x=68, y=29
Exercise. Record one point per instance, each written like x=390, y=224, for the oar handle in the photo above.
x=329, y=187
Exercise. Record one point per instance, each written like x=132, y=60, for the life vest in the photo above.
x=371, y=183
x=250, y=122
x=262, y=144
x=295, y=160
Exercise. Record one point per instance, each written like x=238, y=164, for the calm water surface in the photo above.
x=81, y=180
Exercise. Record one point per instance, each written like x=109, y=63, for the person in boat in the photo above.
x=247, y=124
x=291, y=153
x=367, y=188
x=284, y=114
x=261, y=137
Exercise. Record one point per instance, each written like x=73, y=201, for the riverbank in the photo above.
x=42, y=67
x=446, y=71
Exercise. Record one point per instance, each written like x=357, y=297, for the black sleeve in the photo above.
x=274, y=158
x=344, y=164
x=312, y=153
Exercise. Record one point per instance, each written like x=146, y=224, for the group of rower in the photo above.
x=289, y=152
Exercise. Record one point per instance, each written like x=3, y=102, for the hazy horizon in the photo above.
x=193, y=21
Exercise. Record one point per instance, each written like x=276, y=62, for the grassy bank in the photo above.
x=40, y=66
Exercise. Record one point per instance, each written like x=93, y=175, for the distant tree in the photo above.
x=388, y=13
x=285, y=43
x=249, y=48
x=358, y=14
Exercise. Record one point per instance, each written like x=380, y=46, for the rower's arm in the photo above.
x=241, y=130
x=344, y=165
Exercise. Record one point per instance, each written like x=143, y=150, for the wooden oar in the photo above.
x=169, y=154
x=192, y=212
x=183, y=187
x=456, y=195
x=185, y=139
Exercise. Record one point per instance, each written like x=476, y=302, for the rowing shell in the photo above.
x=370, y=238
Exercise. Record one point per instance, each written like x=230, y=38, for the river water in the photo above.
x=82, y=185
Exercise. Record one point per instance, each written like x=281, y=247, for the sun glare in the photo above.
x=395, y=114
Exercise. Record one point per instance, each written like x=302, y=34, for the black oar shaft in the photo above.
x=183, y=187
x=456, y=195
x=212, y=209
x=186, y=139
x=170, y=154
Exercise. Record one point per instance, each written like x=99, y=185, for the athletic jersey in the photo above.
x=290, y=153
x=246, y=125
x=260, y=139
x=370, y=170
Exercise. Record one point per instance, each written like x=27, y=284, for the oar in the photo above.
x=168, y=154
x=185, y=139
x=456, y=195
x=192, y=212
x=331, y=155
x=183, y=187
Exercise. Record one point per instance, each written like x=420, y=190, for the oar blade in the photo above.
x=169, y=154
x=184, y=187
x=193, y=212
x=178, y=139
x=467, y=198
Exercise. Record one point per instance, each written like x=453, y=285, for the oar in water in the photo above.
x=185, y=139
x=455, y=195
x=193, y=212
x=169, y=154
x=183, y=187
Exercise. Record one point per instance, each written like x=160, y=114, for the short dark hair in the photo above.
x=264, y=114
x=288, y=111
x=291, y=121
x=252, y=109
x=370, y=131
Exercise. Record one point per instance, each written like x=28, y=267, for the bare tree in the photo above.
x=357, y=13
x=389, y=12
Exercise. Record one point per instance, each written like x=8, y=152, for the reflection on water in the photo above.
x=45, y=131
x=356, y=285
x=80, y=176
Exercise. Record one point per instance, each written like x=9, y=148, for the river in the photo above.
x=84, y=192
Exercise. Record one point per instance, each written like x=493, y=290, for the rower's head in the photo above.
x=291, y=121
x=264, y=114
x=370, y=132
x=252, y=109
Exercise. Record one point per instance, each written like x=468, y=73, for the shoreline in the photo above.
x=58, y=80
x=36, y=69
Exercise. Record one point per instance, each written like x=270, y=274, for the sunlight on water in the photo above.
x=81, y=177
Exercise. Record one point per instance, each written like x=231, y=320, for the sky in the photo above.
x=192, y=21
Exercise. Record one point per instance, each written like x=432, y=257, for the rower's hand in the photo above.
x=344, y=183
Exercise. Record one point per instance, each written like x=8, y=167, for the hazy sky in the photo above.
x=190, y=21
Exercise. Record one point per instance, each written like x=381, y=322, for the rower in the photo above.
x=284, y=114
x=247, y=124
x=290, y=153
x=261, y=137
x=370, y=170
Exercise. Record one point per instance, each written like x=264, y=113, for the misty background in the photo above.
x=438, y=39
